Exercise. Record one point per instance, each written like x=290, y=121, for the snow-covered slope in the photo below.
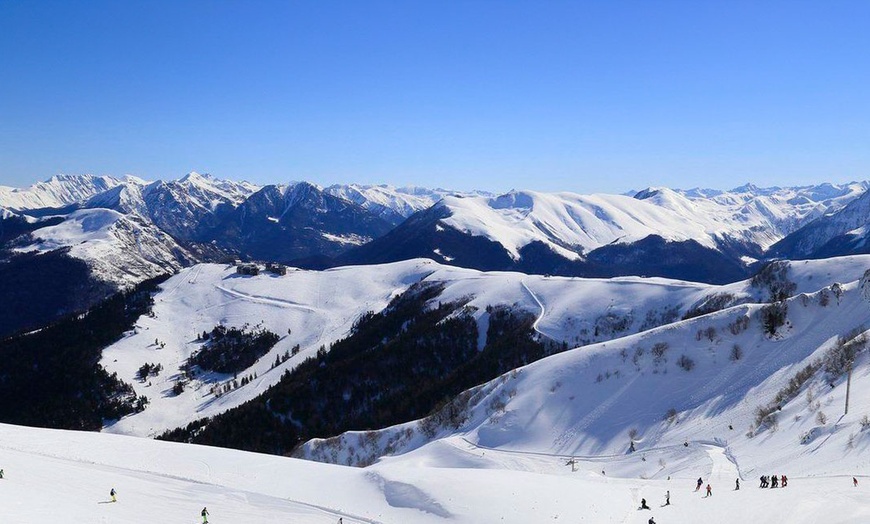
x=122, y=250
x=53, y=476
x=60, y=191
x=688, y=387
x=319, y=307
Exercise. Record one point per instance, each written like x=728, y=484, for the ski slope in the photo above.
x=53, y=476
x=592, y=402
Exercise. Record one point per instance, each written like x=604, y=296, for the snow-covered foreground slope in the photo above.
x=53, y=476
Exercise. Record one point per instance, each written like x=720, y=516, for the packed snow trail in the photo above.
x=541, y=315
x=723, y=470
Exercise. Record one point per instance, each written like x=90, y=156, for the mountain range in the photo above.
x=440, y=342
x=125, y=229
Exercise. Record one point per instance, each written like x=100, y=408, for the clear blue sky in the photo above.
x=580, y=96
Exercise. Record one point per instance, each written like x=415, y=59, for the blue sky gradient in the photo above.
x=578, y=96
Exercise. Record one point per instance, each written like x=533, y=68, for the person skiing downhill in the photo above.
x=204, y=514
x=112, y=493
x=854, y=482
x=737, y=484
x=668, y=498
x=699, y=484
x=709, y=491
x=643, y=504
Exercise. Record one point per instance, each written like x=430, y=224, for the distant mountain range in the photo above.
x=119, y=231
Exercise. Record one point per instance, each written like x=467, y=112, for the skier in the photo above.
x=1, y=473
x=643, y=504
x=784, y=482
x=651, y=521
x=774, y=481
x=854, y=482
x=204, y=514
x=113, y=493
x=698, y=484
x=737, y=484
x=668, y=498
x=761, y=481
x=709, y=491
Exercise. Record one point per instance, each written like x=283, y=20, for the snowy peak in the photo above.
x=220, y=189
x=59, y=191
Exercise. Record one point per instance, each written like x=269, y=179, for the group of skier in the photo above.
x=773, y=481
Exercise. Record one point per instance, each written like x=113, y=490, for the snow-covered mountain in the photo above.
x=658, y=231
x=121, y=249
x=681, y=392
x=315, y=308
x=699, y=235
x=572, y=224
x=837, y=233
x=296, y=221
x=765, y=399
x=698, y=379
x=59, y=191
x=393, y=204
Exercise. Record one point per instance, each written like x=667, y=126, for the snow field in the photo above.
x=61, y=475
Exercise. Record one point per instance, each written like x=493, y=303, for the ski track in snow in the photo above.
x=543, y=313
x=269, y=301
